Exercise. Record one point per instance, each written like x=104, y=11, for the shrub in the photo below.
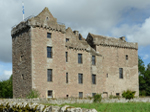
x=33, y=94
x=97, y=98
x=128, y=94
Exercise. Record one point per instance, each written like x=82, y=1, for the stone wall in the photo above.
x=21, y=55
x=12, y=106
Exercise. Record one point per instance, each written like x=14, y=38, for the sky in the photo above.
x=115, y=18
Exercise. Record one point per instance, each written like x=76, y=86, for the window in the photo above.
x=67, y=77
x=23, y=76
x=49, y=75
x=107, y=75
x=66, y=56
x=117, y=94
x=93, y=60
x=126, y=57
x=67, y=39
x=93, y=94
x=93, y=79
x=50, y=94
x=48, y=35
x=80, y=78
x=121, y=73
x=49, y=52
x=79, y=58
x=80, y=94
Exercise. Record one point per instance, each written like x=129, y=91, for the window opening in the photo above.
x=50, y=94
x=80, y=94
x=93, y=60
x=93, y=79
x=49, y=52
x=121, y=73
x=48, y=35
x=49, y=75
x=66, y=56
x=79, y=58
x=80, y=78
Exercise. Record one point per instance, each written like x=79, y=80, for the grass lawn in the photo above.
x=115, y=107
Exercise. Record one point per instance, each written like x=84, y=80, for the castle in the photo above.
x=59, y=62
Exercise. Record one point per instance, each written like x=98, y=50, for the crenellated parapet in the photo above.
x=110, y=41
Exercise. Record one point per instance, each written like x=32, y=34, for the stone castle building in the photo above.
x=59, y=62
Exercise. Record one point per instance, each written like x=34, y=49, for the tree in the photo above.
x=6, y=90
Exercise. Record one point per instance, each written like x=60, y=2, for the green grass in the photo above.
x=115, y=107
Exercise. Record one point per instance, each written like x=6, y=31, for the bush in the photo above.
x=128, y=94
x=97, y=98
x=33, y=94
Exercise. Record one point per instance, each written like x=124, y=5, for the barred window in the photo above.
x=121, y=73
x=93, y=60
x=93, y=79
x=49, y=75
x=80, y=78
x=79, y=58
x=49, y=52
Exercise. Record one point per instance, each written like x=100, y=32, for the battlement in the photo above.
x=110, y=41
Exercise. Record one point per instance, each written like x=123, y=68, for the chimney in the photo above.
x=122, y=38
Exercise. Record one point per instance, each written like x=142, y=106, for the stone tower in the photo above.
x=59, y=62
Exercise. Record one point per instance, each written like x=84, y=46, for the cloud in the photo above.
x=137, y=33
x=95, y=16
x=6, y=75
x=146, y=56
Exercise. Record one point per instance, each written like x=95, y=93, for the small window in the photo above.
x=117, y=94
x=49, y=75
x=79, y=58
x=107, y=75
x=46, y=18
x=80, y=94
x=66, y=56
x=67, y=96
x=67, y=77
x=126, y=57
x=21, y=57
x=93, y=60
x=80, y=78
x=93, y=79
x=48, y=35
x=50, y=94
x=49, y=52
x=67, y=39
x=93, y=94
x=121, y=73
x=23, y=76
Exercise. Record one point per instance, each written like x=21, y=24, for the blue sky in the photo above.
x=115, y=18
